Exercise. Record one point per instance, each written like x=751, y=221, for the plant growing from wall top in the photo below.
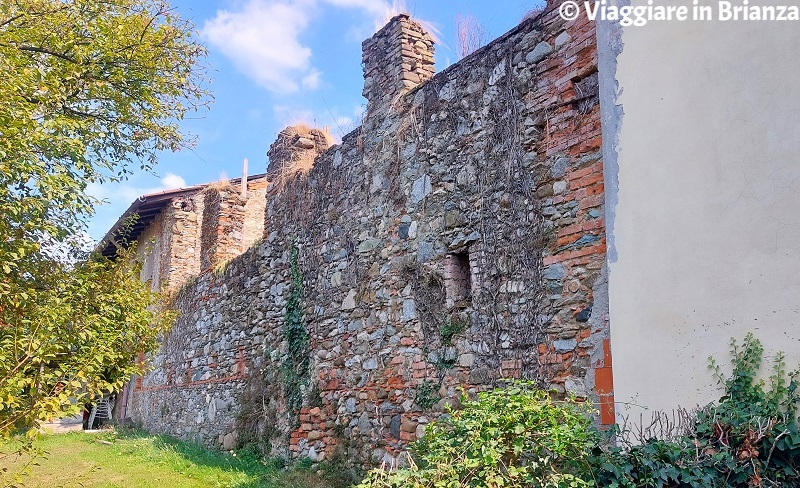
x=296, y=365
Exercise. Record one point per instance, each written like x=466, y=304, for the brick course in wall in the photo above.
x=486, y=178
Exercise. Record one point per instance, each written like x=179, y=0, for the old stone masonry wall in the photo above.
x=455, y=239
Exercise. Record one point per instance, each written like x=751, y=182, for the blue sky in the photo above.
x=277, y=62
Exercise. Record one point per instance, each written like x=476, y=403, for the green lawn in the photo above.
x=135, y=459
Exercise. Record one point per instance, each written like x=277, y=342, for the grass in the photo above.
x=129, y=458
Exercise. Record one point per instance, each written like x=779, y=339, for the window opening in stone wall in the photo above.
x=458, y=281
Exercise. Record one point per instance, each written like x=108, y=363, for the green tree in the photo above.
x=74, y=338
x=90, y=90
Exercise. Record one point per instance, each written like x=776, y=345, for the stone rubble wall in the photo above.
x=150, y=252
x=254, y=208
x=397, y=57
x=231, y=223
x=453, y=240
x=169, y=247
x=185, y=217
x=295, y=150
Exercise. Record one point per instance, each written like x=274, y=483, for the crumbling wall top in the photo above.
x=295, y=150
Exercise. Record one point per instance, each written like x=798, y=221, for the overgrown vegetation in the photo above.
x=748, y=438
x=75, y=339
x=519, y=436
x=90, y=88
x=427, y=395
x=449, y=328
x=514, y=436
x=296, y=365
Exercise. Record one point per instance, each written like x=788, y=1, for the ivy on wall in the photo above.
x=296, y=365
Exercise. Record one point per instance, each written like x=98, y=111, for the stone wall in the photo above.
x=176, y=247
x=185, y=216
x=254, y=207
x=455, y=239
x=169, y=247
x=151, y=253
x=398, y=57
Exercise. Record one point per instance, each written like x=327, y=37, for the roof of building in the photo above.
x=143, y=211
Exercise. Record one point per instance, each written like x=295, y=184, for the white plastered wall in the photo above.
x=706, y=226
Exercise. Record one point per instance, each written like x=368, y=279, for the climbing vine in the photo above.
x=296, y=366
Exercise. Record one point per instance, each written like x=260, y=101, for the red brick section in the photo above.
x=573, y=131
x=604, y=385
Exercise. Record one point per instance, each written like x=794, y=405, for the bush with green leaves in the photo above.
x=750, y=437
x=75, y=340
x=520, y=437
x=515, y=436
x=295, y=367
x=91, y=89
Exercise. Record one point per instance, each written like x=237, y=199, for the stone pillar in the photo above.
x=223, y=225
x=295, y=150
x=184, y=217
x=396, y=59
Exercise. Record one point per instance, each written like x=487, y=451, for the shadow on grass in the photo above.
x=269, y=473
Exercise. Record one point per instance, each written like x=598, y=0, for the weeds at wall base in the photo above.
x=518, y=436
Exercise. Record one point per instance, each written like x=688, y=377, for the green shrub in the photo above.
x=748, y=438
x=520, y=437
x=516, y=436
x=427, y=395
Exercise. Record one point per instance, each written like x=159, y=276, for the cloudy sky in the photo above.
x=278, y=62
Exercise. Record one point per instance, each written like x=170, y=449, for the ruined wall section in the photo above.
x=254, y=208
x=295, y=150
x=184, y=216
x=395, y=59
x=152, y=252
x=169, y=247
x=455, y=239
x=222, y=231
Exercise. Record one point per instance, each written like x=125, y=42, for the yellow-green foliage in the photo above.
x=88, y=89
x=73, y=339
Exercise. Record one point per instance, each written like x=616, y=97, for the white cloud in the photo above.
x=262, y=39
x=123, y=193
x=312, y=79
x=376, y=8
x=171, y=181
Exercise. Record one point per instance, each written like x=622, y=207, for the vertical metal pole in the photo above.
x=244, y=179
